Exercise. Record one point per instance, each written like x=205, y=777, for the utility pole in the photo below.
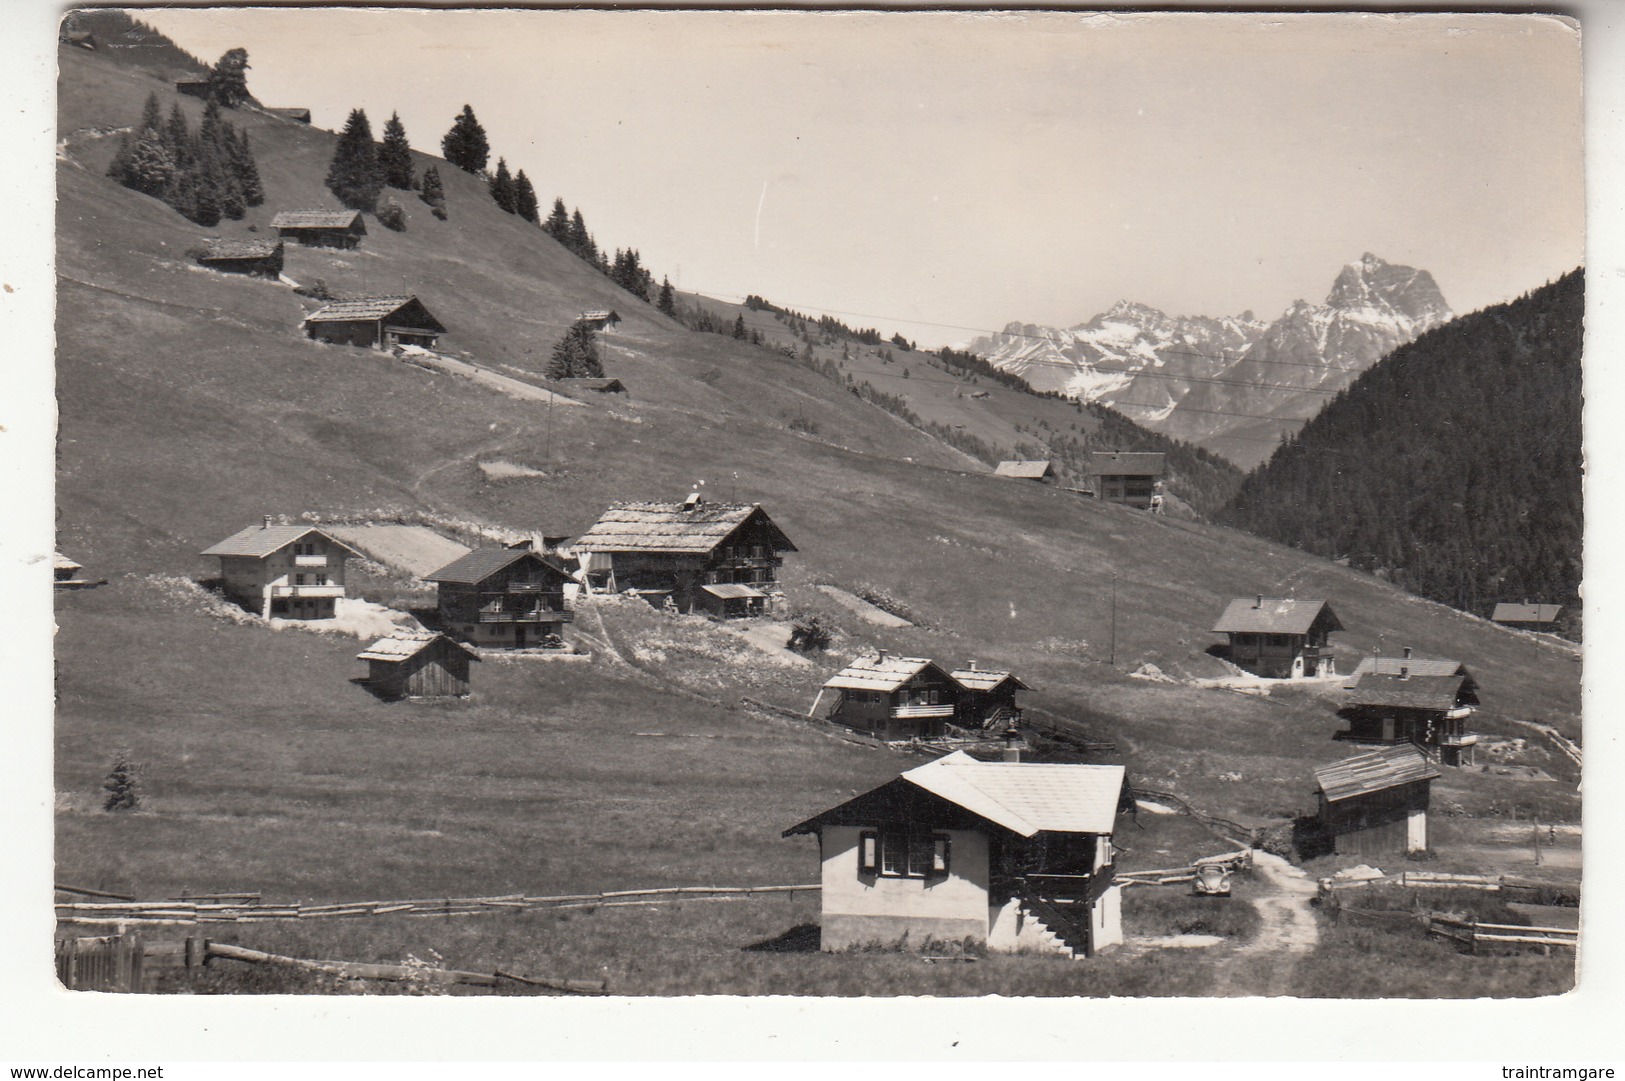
x=1114, y=621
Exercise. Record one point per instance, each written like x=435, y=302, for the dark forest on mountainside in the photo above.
x=1453, y=465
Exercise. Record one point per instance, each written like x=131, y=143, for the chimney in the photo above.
x=972, y=666
x=880, y=656
x=1404, y=671
x=266, y=523
x=692, y=501
x=1258, y=602
x=1407, y=653
x=1012, y=744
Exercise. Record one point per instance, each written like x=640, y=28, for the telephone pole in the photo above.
x=1114, y=621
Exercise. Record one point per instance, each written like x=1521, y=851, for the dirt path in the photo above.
x=1288, y=926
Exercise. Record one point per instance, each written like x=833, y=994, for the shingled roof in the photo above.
x=481, y=563
x=366, y=309
x=1111, y=463
x=262, y=540
x=1416, y=666
x=673, y=527
x=238, y=249
x=1026, y=798
x=981, y=679
x=1526, y=613
x=1025, y=470
x=319, y=219
x=1415, y=691
x=1273, y=615
x=404, y=645
x=1373, y=771
x=881, y=673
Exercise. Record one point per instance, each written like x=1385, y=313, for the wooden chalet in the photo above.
x=599, y=320
x=890, y=698
x=286, y=571
x=683, y=552
x=1414, y=700
x=377, y=322
x=82, y=39
x=504, y=598
x=259, y=258
x=195, y=86
x=417, y=665
x=1014, y=855
x=1376, y=803
x=987, y=699
x=1280, y=638
x=1039, y=471
x=321, y=228
x=1134, y=479
x=298, y=116
x=1528, y=617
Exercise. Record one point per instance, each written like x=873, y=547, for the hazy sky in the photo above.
x=932, y=168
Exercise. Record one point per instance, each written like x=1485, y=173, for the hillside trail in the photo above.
x=1287, y=930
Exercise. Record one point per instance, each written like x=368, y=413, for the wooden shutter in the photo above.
x=868, y=852
x=939, y=854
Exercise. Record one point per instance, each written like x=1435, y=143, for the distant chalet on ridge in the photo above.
x=599, y=320
x=1414, y=700
x=1040, y=470
x=1376, y=804
x=195, y=86
x=891, y=698
x=504, y=598
x=378, y=322
x=1133, y=479
x=721, y=558
x=1280, y=638
x=1528, y=617
x=299, y=116
x=259, y=258
x=321, y=228
x=417, y=665
x=287, y=571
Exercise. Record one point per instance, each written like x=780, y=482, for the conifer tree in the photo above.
x=354, y=176
x=151, y=115
x=501, y=186
x=227, y=83
x=581, y=241
x=524, y=197
x=178, y=137
x=119, y=169
x=205, y=202
x=739, y=326
x=151, y=168
x=123, y=793
x=465, y=145
x=247, y=171
x=667, y=302
x=432, y=193
x=576, y=355
x=558, y=223
x=395, y=154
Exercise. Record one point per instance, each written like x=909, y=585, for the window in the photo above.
x=298, y=579
x=321, y=579
x=899, y=852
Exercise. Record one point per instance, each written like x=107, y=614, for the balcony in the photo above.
x=539, y=615
x=1460, y=713
x=913, y=713
x=307, y=591
x=310, y=561
x=529, y=587
x=1468, y=740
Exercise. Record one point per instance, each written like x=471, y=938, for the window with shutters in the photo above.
x=899, y=852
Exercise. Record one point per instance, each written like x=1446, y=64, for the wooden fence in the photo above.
x=113, y=963
x=1475, y=935
x=1174, y=875
x=249, y=908
x=1518, y=889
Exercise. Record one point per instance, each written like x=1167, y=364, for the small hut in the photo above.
x=259, y=258
x=321, y=228
x=298, y=116
x=1528, y=617
x=598, y=385
x=1376, y=804
x=196, y=86
x=417, y=665
x=599, y=320
x=378, y=322
x=1041, y=471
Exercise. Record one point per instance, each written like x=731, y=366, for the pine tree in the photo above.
x=123, y=793
x=667, y=302
x=576, y=355
x=354, y=176
x=501, y=186
x=432, y=193
x=206, y=204
x=151, y=115
x=151, y=168
x=247, y=171
x=178, y=137
x=395, y=154
x=558, y=223
x=465, y=145
x=739, y=326
x=524, y=197
x=391, y=215
x=119, y=169
x=227, y=83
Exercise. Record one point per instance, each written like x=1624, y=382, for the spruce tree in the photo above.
x=247, y=171
x=151, y=115
x=432, y=193
x=178, y=137
x=354, y=176
x=524, y=197
x=119, y=169
x=395, y=154
x=227, y=83
x=558, y=223
x=501, y=186
x=739, y=327
x=151, y=168
x=465, y=145
x=576, y=355
x=667, y=302
x=123, y=793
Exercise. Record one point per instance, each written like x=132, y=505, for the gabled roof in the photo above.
x=239, y=249
x=291, y=113
x=1111, y=463
x=732, y=591
x=1414, y=692
x=980, y=679
x=404, y=645
x=1385, y=767
x=881, y=673
x=1025, y=470
x=1416, y=666
x=673, y=527
x=263, y=540
x=369, y=308
x=319, y=219
x=1025, y=798
x=1274, y=615
x=482, y=563
x=1526, y=613
x=63, y=563
x=601, y=315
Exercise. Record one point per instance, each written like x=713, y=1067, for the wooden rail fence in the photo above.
x=1474, y=934
x=248, y=908
x=1174, y=875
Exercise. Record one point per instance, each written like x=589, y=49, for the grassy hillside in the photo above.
x=191, y=404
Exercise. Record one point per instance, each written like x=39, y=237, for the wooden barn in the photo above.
x=1011, y=855
x=1528, y=617
x=1280, y=638
x=1414, y=700
x=596, y=384
x=504, y=598
x=286, y=571
x=197, y=86
x=259, y=258
x=1133, y=479
x=298, y=116
x=1376, y=803
x=321, y=228
x=987, y=699
x=599, y=320
x=1039, y=471
x=890, y=698
x=377, y=322
x=417, y=665
x=675, y=550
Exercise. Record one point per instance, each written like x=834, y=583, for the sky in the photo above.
x=945, y=174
